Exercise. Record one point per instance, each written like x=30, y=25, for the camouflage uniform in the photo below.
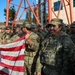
x=6, y=36
x=31, y=60
x=1, y=35
x=14, y=37
x=2, y=32
x=57, y=55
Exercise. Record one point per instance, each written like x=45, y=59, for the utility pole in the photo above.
x=42, y=11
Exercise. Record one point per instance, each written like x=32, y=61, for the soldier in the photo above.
x=42, y=32
x=18, y=30
x=67, y=29
x=7, y=35
x=39, y=31
x=14, y=37
x=57, y=51
x=17, y=33
x=31, y=61
x=72, y=31
x=34, y=28
x=2, y=31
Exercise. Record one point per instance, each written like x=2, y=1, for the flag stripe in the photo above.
x=14, y=44
x=12, y=54
x=13, y=49
x=15, y=68
x=20, y=57
x=17, y=63
x=12, y=58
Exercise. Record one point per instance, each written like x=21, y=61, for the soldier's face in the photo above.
x=54, y=29
x=17, y=30
x=24, y=30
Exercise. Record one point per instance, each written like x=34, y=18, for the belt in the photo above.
x=31, y=54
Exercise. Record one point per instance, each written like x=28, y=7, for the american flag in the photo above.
x=12, y=58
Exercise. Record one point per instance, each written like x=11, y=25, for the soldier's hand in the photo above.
x=27, y=36
x=3, y=41
x=38, y=73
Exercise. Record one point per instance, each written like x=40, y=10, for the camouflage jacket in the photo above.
x=59, y=52
x=73, y=37
x=5, y=37
x=31, y=53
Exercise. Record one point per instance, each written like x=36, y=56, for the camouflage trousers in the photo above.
x=29, y=66
x=27, y=70
x=48, y=70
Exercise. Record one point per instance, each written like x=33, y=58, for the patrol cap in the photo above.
x=17, y=26
x=72, y=25
x=27, y=25
x=8, y=27
x=56, y=21
x=33, y=26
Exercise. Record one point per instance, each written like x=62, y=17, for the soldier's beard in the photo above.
x=54, y=33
